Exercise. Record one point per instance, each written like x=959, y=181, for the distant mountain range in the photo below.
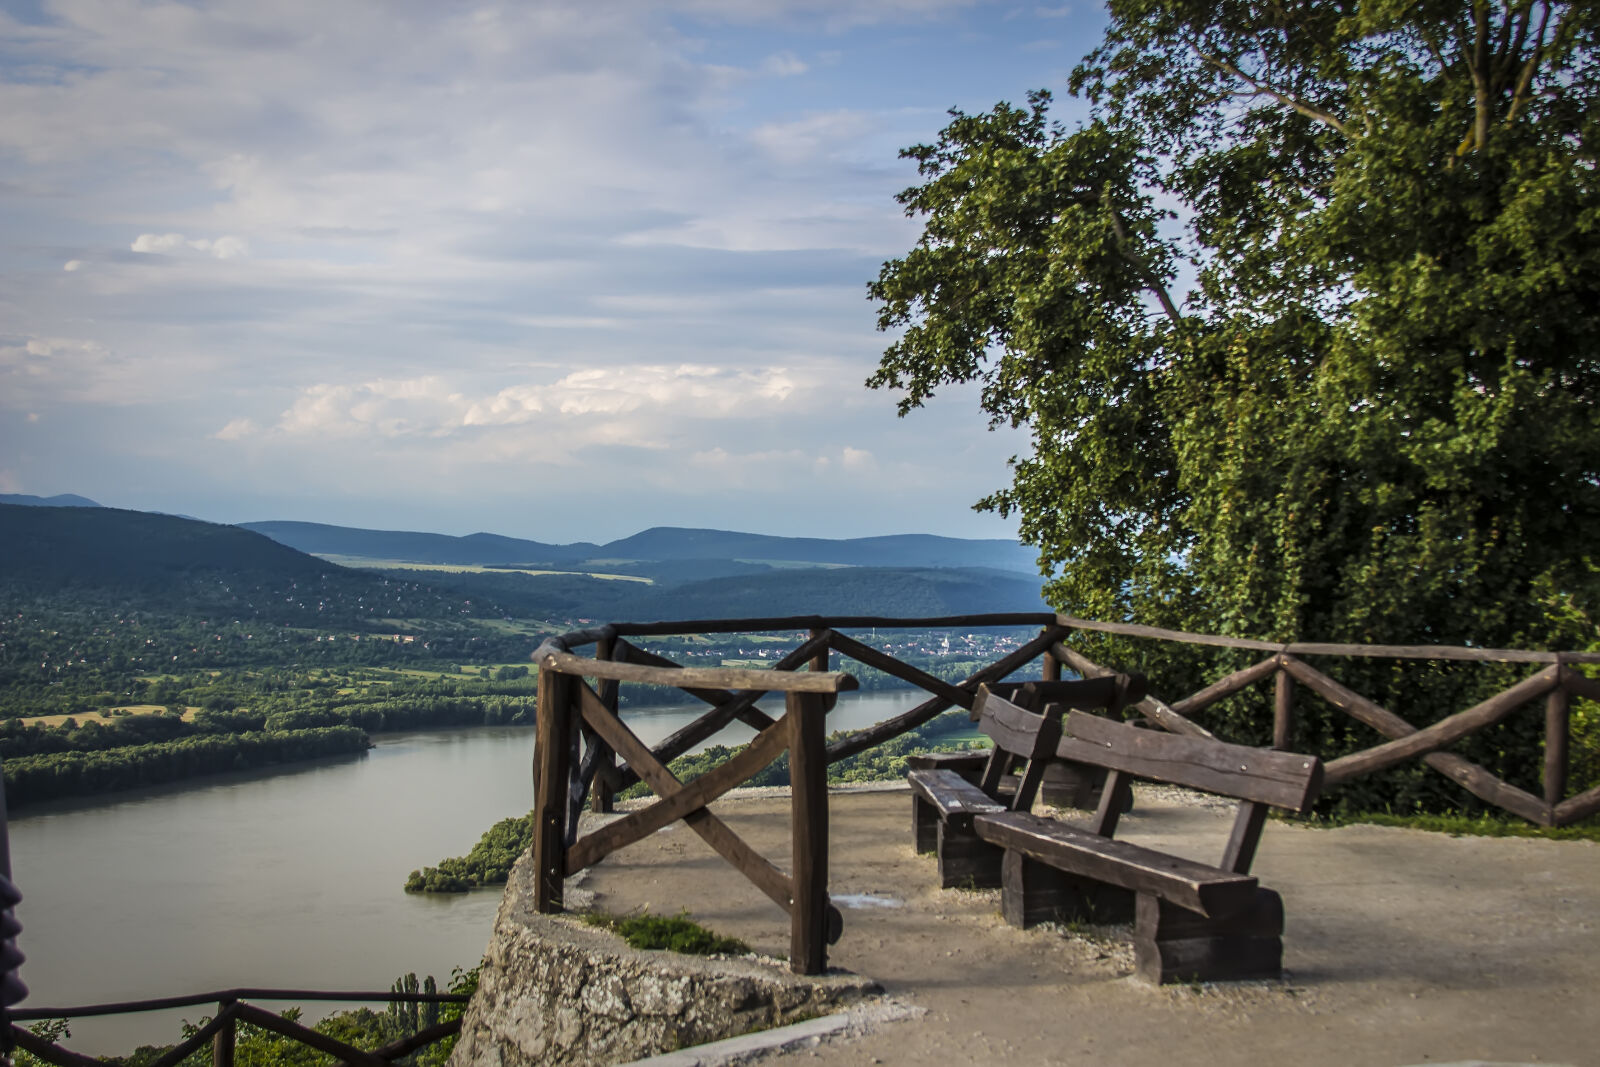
x=266, y=567
x=658, y=544
x=64, y=500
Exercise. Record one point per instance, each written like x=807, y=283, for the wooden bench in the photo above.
x=1192, y=921
x=949, y=790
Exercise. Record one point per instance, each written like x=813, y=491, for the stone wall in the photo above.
x=556, y=991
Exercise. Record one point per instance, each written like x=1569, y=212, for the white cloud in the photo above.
x=857, y=459
x=226, y=247
x=381, y=408
x=784, y=65
x=466, y=239
x=237, y=429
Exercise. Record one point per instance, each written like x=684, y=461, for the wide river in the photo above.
x=289, y=879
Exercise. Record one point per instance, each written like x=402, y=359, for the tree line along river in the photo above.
x=289, y=878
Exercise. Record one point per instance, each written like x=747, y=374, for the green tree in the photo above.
x=1302, y=319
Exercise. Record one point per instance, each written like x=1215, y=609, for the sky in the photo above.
x=552, y=270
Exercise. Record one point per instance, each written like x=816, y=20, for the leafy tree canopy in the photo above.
x=1302, y=319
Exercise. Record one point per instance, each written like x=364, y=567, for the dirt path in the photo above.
x=1402, y=947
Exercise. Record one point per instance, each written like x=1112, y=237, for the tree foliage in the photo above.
x=1302, y=319
x=1373, y=413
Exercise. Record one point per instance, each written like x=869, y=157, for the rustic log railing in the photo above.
x=233, y=1008
x=578, y=747
x=569, y=774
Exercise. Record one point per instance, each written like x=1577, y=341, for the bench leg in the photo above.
x=967, y=861
x=1033, y=893
x=924, y=824
x=1174, y=945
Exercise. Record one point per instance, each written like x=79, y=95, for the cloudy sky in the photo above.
x=553, y=270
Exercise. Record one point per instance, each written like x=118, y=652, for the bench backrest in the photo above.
x=1018, y=734
x=1110, y=693
x=1282, y=779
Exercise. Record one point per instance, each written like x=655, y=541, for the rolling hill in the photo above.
x=660, y=544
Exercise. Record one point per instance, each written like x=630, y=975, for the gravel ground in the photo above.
x=1402, y=947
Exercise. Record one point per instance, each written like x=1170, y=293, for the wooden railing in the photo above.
x=233, y=1008
x=568, y=775
x=581, y=737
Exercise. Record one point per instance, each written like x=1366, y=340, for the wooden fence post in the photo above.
x=808, y=790
x=222, y=1043
x=551, y=767
x=1050, y=668
x=1283, y=711
x=819, y=662
x=1557, y=736
x=600, y=796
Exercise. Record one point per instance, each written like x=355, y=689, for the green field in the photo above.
x=372, y=563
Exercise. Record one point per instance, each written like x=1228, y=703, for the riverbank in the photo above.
x=1402, y=946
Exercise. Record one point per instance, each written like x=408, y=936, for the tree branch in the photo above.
x=1151, y=279
x=1531, y=67
x=1263, y=89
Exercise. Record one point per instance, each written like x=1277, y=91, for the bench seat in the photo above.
x=943, y=805
x=1197, y=887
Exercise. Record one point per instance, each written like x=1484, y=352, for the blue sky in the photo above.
x=553, y=270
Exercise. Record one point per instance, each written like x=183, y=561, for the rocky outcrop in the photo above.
x=555, y=991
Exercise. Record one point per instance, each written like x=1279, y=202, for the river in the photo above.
x=286, y=879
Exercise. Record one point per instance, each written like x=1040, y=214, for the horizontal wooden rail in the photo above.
x=1324, y=648
x=232, y=1009
x=189, y=1000
x=551, y=658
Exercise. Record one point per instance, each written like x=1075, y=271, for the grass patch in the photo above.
x=677, y=933
x=1459, y=825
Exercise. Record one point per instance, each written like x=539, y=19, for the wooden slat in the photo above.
x=307, y=1036
x=808, y=823
x=1471, y=777
x=1013, y=729
x=754, y=866
x=1444, y=732
x=202, y=1037
x=1040, y=753
x=886, y=663
x=1282, y=779
x=862, y=740
x=1085, y=693
x=1208, y=890
x=1576, y=808
x=1243, y=838
x=953, y=795
x=51, y=1053
x=954, y=761
x=820, y=622
x=767, y=746
x=87, y=1011
x=726, y=705
x=1151, y=708
x=551, y=659
x=405, y=1046
x=1324, y=648
x=1578, y=683
x=1109, y=811
x=1225, y=687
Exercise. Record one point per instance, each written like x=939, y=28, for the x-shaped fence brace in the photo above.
x=566, y=699
x=732, y=695
x=219, y=1032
